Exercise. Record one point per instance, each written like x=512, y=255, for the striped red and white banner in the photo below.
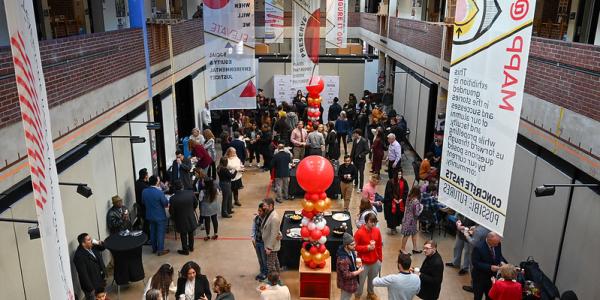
x=38, y=136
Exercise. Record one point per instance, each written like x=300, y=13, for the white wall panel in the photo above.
x=168, y=126
x=265, y=75
x=421, y=128
x=142, y=155
x=400, y=91
x=351, y=79
x=411, y=111
x=370, y=80
x=124, y=169
x=11, y=284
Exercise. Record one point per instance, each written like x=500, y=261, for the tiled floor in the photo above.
x=233, y=255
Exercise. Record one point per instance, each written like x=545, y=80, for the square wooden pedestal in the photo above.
x=315, y=284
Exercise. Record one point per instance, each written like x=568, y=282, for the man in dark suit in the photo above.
x=431, y=273
x=239, y=146
x=180, y=170
x=182, y=209
x=360, y=149
x=486, y=259
x=140, y=185
x=89, y=264
x=156, y=202
x=281, y=166
x=334, y=110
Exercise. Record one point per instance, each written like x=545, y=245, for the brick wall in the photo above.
x=420, y=35
x=369, y=22
x=77, y=65
x=573, y=84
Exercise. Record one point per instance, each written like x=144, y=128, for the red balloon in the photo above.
x=304, y=232
x=314, y=174
x=304, y=245
x=313, y=250
x=322, y=249
x=314, y=197
x=325, y=230
x=315, y=86
x=312, y=265
x=308, y=214
x=316, y=234
x=320, y=265
x=323, y=196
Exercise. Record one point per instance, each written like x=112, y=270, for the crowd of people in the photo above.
x=280, y=136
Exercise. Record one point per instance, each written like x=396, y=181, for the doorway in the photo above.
x=184, y=100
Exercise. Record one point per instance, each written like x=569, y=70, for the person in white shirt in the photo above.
x=275, y=291
x=205, y=116
x=402, y=286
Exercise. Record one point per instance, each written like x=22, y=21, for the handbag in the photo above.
x=535, y=274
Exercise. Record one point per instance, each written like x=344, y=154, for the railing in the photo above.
x=424, y=36
x=369, y=22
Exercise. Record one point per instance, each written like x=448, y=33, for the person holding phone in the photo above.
x=191, y=284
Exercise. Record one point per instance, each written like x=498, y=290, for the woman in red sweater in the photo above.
x=368, y=246
x=506, y=288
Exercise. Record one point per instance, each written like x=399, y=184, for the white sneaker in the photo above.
x=358, y=191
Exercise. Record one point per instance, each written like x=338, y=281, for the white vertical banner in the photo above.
x=331, y=90
x=283, y=89
x=484, y=107
x=337, y=24
x=274, y=21
x=35, y=113
x=229, y=41
x=305, y=42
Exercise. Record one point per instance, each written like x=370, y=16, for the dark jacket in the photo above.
x=140, y=185
x=240, y=149
x=346, y=264
x=334, y=112
x=202, y=287
x=359, y=152
x=342, y=126
x=225, y=296
x=333, y=149
x=225, y=175
x=347, y=169
x=155, y=202
x=388, y=99
x=90, y=269
x=182, y=208
x=431, y=275
x=115, y=221
x=281, y=164
x=482, y=262
x=283, y=130
x=182, y=173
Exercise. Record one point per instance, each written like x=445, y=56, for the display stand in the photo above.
x=315, y=284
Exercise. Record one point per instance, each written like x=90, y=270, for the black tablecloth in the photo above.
x=289, y=254
x=127, y=257
x=332, y=192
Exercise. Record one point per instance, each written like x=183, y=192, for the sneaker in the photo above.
x=417, y=251
x=163, y=252
x=260, y=277
x=451, y=265
x=467, y=288
x=278, y=201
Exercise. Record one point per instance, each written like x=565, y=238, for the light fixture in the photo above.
x=550, y=189
x=149, y=125
x=82, y=188
x=134, y=139
x=34, y=232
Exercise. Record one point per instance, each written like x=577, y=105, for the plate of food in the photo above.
x=295, y=217
x=341, y=217
x=293, y=233
x=339, y=231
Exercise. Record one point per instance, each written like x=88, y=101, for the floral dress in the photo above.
x=409, y=222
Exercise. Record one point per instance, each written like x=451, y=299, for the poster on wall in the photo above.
x=484, y=107
x=229, y=48
x=331, y=90
x=305, y=42
x=283, y=89
x=35, y=114
x=337, y=24
x=274, y=21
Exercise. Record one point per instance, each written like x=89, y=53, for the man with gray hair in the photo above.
x=394, y=155
x=487, y=259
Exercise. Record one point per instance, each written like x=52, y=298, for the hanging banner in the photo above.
x=337, y=24
x=484, y=107
x=283, y=89
x=274, y=21
x=331, y=90
x=33, y=100
x=305, y=43
x=229, y=48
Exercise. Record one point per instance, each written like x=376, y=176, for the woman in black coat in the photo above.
x=396, y=191
x=192, y=284
x=333, y=149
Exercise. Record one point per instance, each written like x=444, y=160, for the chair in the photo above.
x=416, y=164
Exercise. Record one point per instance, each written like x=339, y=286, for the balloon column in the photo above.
x=315, y=87
x=315, y=175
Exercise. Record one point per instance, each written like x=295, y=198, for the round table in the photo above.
x=127, y=257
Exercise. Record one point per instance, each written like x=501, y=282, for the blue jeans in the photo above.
x=262, y=257
x=157, y=235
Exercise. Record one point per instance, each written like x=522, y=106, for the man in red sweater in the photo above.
x=368, y=246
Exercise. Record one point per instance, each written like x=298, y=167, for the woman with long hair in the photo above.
x=222, y=288
x=162, y=281
x=412, y=211
x=235, y=164
x=192, y=284
x=209, y=145
x=396, y=191
x=378, y=150
x=364, y=209
x=225, y=177
x=209, y=208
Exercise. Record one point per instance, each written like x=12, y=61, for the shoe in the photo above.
x=231, y=212
x=451, y=265
x=206, y=238
x=191, y=249
x=260, y=277
x=153, y=251
x=214, y=237
x=278, y=201
x=183, y=252
x=467, y=288
x=417, y=251
x=227, y=216
x=372, y=297
x=463, y=272
x=237, y=204
x=164, y=252
x=358, y=191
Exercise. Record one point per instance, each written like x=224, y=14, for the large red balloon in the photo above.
x=312, y=36
x=304, y=232
x=316, y=234
x=315, y=86
x=314, y=174
x=325, y=230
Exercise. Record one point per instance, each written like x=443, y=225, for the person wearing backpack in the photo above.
x=412, y=211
